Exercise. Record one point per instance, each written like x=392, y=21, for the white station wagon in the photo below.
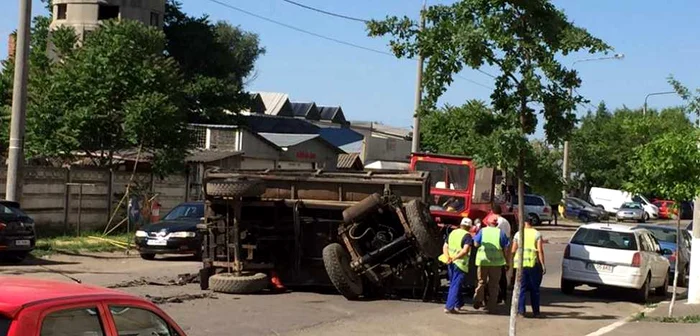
x=616, y=256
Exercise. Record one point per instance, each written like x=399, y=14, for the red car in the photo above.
x=665, y=211
x=32, y=307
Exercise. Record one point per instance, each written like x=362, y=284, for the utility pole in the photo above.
x=415, y=142
x=694, y=283
x=19, y=102
x=565, y=164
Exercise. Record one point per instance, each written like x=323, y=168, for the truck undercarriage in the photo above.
x=363, y=233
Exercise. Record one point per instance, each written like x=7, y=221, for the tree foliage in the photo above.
x=116, y=93
x=216, y=59
x=603, y=146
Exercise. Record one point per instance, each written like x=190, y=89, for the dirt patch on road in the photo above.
x=181, y=280
x=180, y=298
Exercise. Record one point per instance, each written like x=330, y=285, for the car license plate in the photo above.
x=600, y=268
x=23, y=242
x=156, y=242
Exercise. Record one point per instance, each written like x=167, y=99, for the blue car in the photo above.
x=666, y=235
x=576, y=208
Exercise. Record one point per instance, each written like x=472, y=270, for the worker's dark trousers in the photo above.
x=454, y=295
x=503, y=286
x=530, y=282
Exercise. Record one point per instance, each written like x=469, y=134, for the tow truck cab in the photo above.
x=461, y=189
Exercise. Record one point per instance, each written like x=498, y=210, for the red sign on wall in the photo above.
x=306, y=155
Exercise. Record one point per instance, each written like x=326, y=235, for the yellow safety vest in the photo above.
x=490, y=252
x=454, y=246
x=530, y=249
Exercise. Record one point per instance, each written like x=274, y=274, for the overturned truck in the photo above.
x=364, y=233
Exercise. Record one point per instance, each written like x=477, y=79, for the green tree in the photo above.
x=215, y=83
x=604, y=143
x=522, y=40
x=117, y=92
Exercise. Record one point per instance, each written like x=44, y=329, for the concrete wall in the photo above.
x=54, y=205
x=385, y=148
x=312, y=151
x=82, y=14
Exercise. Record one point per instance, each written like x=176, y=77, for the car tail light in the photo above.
x=2, y=226
x=567, y=252
x=546, y=209
x=673, y=256
x=637, y=260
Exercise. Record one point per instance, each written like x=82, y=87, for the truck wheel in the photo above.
x=337, y=263
x=424, y=228
x=246, y=283
x=234, y=188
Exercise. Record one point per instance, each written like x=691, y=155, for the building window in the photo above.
x=61, y=11
x=107, y=12
x=155, y=19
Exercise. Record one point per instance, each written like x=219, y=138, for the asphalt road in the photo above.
x=309, y=313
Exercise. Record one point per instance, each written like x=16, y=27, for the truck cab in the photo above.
x=459, y=188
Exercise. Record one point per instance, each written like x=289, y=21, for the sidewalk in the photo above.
x=650, y=326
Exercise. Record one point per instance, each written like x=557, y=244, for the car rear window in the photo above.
x=605, y=239
x=664, y=235
x=4, y=325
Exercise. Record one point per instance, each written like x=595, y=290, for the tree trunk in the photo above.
x=678, y=247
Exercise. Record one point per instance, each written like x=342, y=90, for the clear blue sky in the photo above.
x=658, y=38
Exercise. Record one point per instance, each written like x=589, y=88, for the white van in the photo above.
x=612, y=199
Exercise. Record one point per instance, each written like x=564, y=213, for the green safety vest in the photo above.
x=490, y=252
x=530, y=249
x=454, y=245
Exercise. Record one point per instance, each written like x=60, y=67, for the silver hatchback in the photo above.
x=630, y=211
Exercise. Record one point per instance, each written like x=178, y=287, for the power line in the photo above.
x=326, y=12
x=328, y=38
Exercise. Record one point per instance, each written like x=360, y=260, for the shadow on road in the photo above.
x=34, y=261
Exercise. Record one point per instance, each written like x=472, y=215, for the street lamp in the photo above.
x=654, y=94
x=565, y=164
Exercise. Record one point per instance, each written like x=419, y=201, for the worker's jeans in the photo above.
x=489, y=277
x=530, y=282
x=454, y=295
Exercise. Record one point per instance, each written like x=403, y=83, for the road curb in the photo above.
x=611, y=327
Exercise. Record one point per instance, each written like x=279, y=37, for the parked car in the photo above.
x=31, y=306
x=17, y=232
x=617, y=256
x=577, y=208
x=176, y=233
x=667, y=235
x=666, y=210
x=631, y=211
x=537, y=208
x=610, y=200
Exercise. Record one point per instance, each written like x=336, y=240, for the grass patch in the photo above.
x=638, y=317
x=85, y=243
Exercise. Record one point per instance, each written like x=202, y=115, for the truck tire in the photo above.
x=423, y=228
x=337, y=263
x=246, y=283
x=234, y=188
x=364, y=207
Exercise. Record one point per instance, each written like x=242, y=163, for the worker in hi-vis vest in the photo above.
x=533, y=267
x=491, y=256
x=456, y=256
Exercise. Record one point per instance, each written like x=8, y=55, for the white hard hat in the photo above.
x=466, y=222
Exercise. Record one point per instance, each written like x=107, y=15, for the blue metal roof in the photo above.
x=288, y=140
x=340, y=136
x=306, y=110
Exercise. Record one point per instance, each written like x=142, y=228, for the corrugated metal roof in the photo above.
x=353, y=147
x=306, y=110
x=276, y=103
x=381, y=128
x=210, y=155
x=349, y=161
x=333, y=114
x=340, y=136
x=287, y=140
x=275, y=124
